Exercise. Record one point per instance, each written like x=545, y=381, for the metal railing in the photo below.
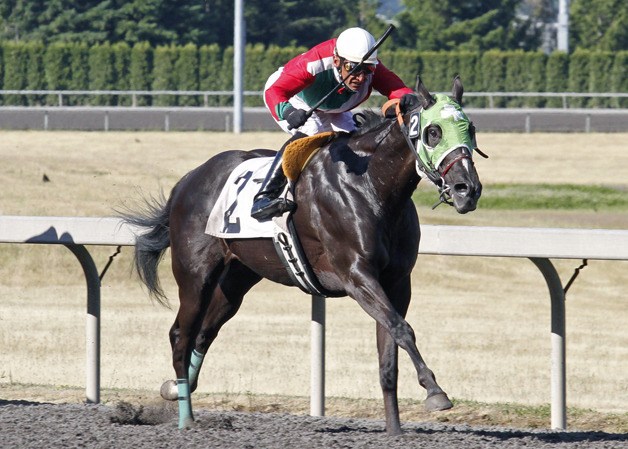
x=64, y=95
x=539, y=245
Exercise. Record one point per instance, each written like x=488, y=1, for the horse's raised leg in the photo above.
x=367, y=291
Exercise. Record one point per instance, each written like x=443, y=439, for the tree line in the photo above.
x=446, y=25
x=120, y=66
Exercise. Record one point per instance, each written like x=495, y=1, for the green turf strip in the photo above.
x=540, y=196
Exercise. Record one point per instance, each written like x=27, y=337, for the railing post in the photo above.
x=92, y=323
x=558, y=381
x=317, y=343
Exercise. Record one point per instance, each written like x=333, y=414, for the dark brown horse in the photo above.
x=357, y=224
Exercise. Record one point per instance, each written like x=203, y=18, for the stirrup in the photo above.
x=270, y=208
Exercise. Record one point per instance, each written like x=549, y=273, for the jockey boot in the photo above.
x=268, y=203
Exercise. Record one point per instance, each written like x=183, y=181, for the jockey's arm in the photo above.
x=293, y=79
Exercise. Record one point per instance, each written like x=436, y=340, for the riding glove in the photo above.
x=295, y=117
x=408, y=102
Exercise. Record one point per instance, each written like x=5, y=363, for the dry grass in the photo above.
x=482, y=324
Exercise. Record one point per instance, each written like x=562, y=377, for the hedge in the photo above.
x=75, y=66
x=102, y=74
x=210, y=68
x=164, y=76
x=619, y=80
x=141, y=71
x=556, y=77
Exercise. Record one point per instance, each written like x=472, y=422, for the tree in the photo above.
x=303, y=23
x=599, y=25
x=470, y=26
x=180, y=22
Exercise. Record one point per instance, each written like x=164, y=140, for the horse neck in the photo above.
x=392, y=170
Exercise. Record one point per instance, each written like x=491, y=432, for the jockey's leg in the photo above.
x=268, y=202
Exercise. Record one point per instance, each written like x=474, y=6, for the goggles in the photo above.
x=363, y=69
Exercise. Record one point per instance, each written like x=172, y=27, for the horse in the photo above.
x=355, y=220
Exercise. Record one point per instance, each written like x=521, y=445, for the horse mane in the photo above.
x=367, y=120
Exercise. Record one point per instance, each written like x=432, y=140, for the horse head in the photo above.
x=445, y=141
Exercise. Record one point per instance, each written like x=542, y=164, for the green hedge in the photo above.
x=164, y=76
x=210, y=68
x=556, y=78
x=619, y=80
x=74, y=66
x=102, y=73
x=15, y=72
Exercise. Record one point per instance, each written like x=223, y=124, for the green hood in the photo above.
x=454, y=124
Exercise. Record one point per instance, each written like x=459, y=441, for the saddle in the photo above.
x=299, y=152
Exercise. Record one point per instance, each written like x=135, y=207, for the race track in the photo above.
x=40, y=425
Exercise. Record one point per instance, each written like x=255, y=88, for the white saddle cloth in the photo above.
x=231, y=215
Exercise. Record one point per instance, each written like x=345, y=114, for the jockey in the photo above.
x=304, y=81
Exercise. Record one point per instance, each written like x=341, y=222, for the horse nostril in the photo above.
x=461, y=188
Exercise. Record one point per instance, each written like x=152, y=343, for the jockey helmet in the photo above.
x=353, y=43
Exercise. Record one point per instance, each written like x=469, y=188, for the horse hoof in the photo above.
x=437, y=402
x=186, y=423
x=169, y=390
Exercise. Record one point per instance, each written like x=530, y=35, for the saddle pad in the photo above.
x=299, y=152
x=231, y=215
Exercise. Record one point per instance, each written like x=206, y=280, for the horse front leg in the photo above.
x=388, y=375
x=367, y=291
x=398, y=290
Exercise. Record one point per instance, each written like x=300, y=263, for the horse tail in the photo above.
x=150, y=246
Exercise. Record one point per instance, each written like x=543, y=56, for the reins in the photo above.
x=432, y=175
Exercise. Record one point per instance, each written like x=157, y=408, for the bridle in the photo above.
x=412, y=136
x=464, y=155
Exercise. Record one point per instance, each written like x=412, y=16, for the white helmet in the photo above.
x=354, y=43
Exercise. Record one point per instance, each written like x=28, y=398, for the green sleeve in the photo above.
x=281, y=108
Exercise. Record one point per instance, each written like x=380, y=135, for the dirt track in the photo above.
x=38, y=425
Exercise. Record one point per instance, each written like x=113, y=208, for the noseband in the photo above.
x=464, y=155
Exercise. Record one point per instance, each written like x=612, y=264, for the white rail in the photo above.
x=537, y=244
x=206, y=94
x=75, y=233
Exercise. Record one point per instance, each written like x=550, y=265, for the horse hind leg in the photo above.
x=227, y=293
x=226, y=299
x=181, y=334
x=169, y=390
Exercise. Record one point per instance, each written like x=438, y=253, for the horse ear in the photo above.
x=457, y=91
x=424, y=95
